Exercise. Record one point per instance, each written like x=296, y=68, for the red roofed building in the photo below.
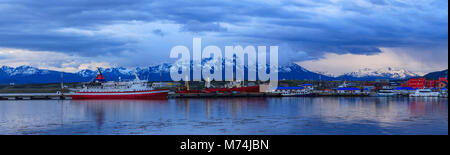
x=443, y=83
x=424, y=83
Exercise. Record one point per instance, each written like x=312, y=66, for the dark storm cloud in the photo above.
x=42, y=42
x=379, y=2
x=314, y=27
x=158, y=32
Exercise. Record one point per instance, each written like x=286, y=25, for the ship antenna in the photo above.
x=62, y=85
x=99, y=71
x=137, y=77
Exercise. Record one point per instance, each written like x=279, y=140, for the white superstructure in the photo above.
x=424, y=93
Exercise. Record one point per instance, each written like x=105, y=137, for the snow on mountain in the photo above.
x=87, y=73
x=291, y=71
x=388, y=72
x=157, y=68
x=290, y=67
x=120, y=70
x=325, y=73
x=27, y=74
x=22, y=70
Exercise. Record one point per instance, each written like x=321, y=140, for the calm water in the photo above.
x=228, y=116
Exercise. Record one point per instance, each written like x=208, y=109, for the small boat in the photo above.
x=231, y=87
x=424, y=93
x=386, y=93
x=136, y=89
x=297, y=94
x=245, y=89
x=187, y=90
x=293, y=91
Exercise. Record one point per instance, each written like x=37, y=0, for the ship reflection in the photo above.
x=97, y=109
x=422, y=106
x=196, y=112
x=120, y=110
x=234, y=107
x=290, y=115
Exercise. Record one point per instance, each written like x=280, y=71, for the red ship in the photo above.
x=246, y=89
x=233, y=86
x=136, y=89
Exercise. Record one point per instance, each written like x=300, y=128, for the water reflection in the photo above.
x=99, y=110
x=227, y=116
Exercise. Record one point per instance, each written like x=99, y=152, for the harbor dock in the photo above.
x=54, y=96
x=215, y=95
x=323, y=94
x=67, y=96
x=34, y=96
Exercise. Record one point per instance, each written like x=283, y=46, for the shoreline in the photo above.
x=67, y=96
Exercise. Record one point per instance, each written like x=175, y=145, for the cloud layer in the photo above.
x=419, y=61
x=136, y=33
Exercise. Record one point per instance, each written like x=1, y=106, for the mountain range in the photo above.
x=437, y=75
x=382, y=73
x=292, y=71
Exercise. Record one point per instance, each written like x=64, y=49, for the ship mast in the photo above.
x=187, y=83
x=62, y=85
x=208, y=83
x=99, y=71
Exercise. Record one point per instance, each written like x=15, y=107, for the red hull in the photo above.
x=250, y=89
x=153, y=94
x=188, y=92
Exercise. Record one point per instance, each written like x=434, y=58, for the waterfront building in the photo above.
x=368, y=86
x=394, y=84
x=404, y=90
x=382, y=80
x=422, y=83
x=308, y=86
x=328, y=91
x=443, y=84
x=366, y=90
x=381, y=85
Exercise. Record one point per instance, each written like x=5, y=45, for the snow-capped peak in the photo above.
x=325, y=73
x=389, y=72
x=22, y=70
x=290, y=67
x=86, y=73
x=126, y=71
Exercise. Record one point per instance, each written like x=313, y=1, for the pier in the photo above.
x=35, y=96
x=323, y=94
x=215, y=95
x=54, y=96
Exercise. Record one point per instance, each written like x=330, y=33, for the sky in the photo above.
x=332, y=36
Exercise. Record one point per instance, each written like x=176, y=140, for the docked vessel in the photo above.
x=424, y=93
x=386, y=92
x=187, y=90
x=231, y=87
x=293, y=91
x=136, y=89
x=246, y=89
x=297, y=94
